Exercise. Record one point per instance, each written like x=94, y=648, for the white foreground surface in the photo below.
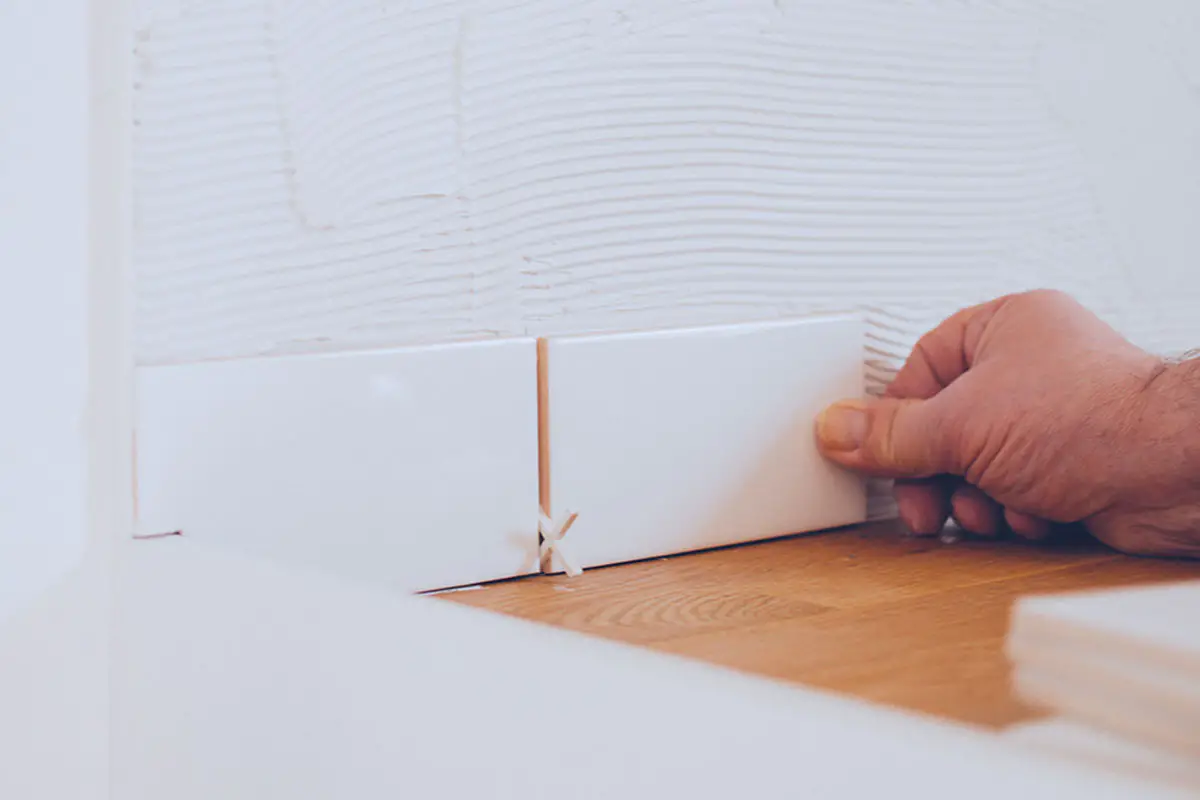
x=670, y=441
x=415, y=468
x=239, y=679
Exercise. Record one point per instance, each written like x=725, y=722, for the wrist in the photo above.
x=1168, y=432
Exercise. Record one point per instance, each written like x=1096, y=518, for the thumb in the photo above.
x=888, y=437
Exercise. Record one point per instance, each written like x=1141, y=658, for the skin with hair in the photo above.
x=1028, y=413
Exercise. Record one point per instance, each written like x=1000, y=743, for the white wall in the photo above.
x=61, y=484
x=43, y=301
x=315, y=175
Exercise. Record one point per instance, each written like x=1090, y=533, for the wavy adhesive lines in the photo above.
x=319, y=175
x=746, y=164
x=368, y=102
x=283, y=208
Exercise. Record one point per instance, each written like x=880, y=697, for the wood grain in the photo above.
x=865, y=611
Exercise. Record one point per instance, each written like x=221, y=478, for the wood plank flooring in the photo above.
x=909, y=622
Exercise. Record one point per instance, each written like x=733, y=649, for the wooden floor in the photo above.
x=909, y=622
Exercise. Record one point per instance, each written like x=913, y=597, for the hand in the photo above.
x=1030, y=411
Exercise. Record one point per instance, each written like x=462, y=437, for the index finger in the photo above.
x=939, y=358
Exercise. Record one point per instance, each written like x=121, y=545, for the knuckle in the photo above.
x=879, y=452
x=952, y=439
x=903, y=442
x=1046, y=298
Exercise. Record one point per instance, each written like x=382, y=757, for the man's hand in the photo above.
x=1028, y=411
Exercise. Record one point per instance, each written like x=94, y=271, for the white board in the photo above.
x=1125, y=660
x=414, y=468
x=669, y=441
x=237, y=678
x=1156, y=711
x=1156, y=624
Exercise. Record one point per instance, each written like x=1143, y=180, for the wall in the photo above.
x=58, y=486
x=43, y=239
x=325, y=175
